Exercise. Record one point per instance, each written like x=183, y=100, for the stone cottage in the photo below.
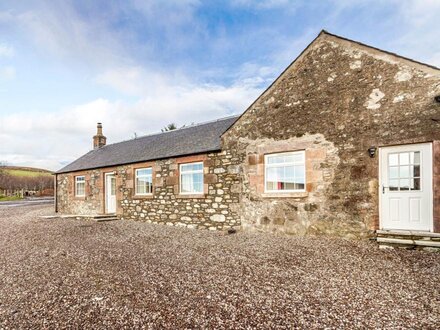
x=345, y=141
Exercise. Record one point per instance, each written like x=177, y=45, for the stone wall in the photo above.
x=335, y=101
x=93, y=201
x=214, y=209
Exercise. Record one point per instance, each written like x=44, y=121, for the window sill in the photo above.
x=79, y=198
x=191, y=196
x=301, y=194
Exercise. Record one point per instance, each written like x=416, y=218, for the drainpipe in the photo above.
x=55, y=189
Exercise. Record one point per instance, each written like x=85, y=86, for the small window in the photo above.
x=80, y=186
x=285, y=172
x=191, y=178
x=404, y=171
x=144, y=181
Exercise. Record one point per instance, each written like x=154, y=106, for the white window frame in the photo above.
x=135, y=181
x=77, y=182
x=191, y=172
x=267, y=165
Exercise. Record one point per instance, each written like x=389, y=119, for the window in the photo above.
x=80, y=186
x=144, y=181
x=191, y=178
x=404, y=171
x=285, y=172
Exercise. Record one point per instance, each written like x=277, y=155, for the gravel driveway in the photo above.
x=81, y=274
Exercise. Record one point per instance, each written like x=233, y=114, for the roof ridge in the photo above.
x=174, y=130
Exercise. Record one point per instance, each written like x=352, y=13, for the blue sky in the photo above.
x=138, y=65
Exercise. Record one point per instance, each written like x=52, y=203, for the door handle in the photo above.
x=383, y=189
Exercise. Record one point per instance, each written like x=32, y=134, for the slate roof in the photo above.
x=194, y=139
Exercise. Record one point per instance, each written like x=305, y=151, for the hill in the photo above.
x=20, y=171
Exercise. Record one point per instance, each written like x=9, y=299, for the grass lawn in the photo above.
x=9, y=198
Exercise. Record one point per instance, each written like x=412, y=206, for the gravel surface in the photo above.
x=81, y=274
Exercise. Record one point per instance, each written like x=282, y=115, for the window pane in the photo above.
x=289, y=171
x=186, y=183
x=404, y=171
x=272, y=174
x=113, y=187
x=415, y=157
x=416, y=171
x=144, y=172
x=394, y=172
x=191, y=167
x=299, y=171
x=394, y=185
x=404, y=158
x=404, y=184
x=80, y=188
x=198, y=187
x=393, y=159
x=415, y=184
x=140, y=186
x=287, y=158
x=275, y=159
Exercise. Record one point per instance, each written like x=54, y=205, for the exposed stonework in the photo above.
x=297, y=212
x=92, y=203
x=338, y=99
x=212, y=210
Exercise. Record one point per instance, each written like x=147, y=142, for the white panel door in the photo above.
x=406, y=187
x=110, y=193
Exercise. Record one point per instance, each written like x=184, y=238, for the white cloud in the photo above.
x=6, y=50
x=67, y=134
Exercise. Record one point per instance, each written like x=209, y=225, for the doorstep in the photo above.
x=408, y=239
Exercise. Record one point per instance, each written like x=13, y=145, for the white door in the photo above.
x=110, y=193
x=406, y=187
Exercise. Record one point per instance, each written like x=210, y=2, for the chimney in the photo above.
x=99, y=140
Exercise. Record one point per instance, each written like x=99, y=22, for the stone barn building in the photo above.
x=345, y=141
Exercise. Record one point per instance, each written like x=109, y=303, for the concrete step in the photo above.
x=408, y=239
x=98, y=216
x=102, y=218
x=407, y=233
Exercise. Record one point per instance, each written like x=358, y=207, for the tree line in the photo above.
x=13, y=184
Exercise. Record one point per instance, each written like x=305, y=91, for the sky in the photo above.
x=137, y=66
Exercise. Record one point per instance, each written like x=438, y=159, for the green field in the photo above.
x=25, y=171
x=9, y=198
